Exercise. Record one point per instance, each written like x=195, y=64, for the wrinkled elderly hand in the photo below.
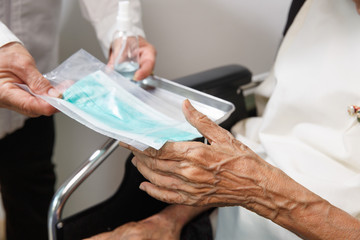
x=167, y=224
x=18, y=66
x=357, y=3
x=147, y=56
x=226, y=172
x=150, y=229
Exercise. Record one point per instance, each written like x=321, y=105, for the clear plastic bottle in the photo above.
x=126, y=45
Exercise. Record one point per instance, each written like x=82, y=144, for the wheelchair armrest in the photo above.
x=223, y=82
x=229, y=75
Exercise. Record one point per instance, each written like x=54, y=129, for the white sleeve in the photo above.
x=102, y=15
x=6, y=36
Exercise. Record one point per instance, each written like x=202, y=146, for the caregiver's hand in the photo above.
x=147, y=57
x=18, y=66
x=357, y=3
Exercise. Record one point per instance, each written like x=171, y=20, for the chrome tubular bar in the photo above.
x=72, y=183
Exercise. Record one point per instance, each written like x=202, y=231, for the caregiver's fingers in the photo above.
x=209, y=129
x=147, y=59
x=357, y=3
x=145, y=70
x=114, y=52
x=17, y=99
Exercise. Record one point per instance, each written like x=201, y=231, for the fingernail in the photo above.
x=142, y=187
x=133, y=161
x=54, y=93
x=136, y=77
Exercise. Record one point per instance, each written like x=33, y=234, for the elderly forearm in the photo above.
x=287, y=203
x=310, y=216
x=228, y=173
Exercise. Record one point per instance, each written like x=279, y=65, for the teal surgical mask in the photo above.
x=108, y=104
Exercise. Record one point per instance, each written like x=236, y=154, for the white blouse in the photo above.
x=306, y=130
x=35, y=23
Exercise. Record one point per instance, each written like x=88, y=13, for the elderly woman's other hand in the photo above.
x=167, y=224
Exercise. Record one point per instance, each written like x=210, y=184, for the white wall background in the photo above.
x=190, y=36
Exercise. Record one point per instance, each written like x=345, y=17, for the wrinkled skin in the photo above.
x=147, y=56
x=18, y=66
x=227, y=173
x=193, y=173
x=152, y=228
x=167, y=224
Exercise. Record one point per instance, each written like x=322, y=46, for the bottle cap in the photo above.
x=123, y=16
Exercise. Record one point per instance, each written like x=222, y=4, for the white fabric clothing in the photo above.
x=306, y=130
x=103, y=19
x=6, y=35
x=35, y=24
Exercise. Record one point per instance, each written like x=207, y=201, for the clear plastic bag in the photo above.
x=110, y=104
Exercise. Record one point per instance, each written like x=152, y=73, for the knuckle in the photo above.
x=180, y=199
x=201, y=152
x=191, y=172
x=21, y=61
x=153, y=49
x=152, y=164
x=38, y=84
x=152, y=152
x=48, y=111
x=174, y=186
x=152, y=179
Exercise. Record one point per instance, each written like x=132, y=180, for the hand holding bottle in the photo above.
x=130, y=55
x=146, y=57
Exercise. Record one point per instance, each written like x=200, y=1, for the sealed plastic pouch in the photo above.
x=108, y=103
x=144, y=114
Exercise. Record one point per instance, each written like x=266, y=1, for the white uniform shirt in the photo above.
x=35, y=23
x=306, y=130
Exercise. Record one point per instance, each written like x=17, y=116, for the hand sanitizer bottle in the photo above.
x=126, y=45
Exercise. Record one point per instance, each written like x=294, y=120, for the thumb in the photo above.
x=209, y=129
x=144, y=71
x=39, y=84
